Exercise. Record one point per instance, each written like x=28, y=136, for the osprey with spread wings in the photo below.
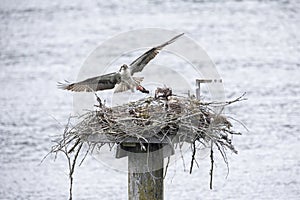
x=122, y=80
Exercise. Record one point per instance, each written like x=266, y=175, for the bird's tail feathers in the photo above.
x=64, y=86
x=122, y=87
x=75, y=87
x=138, y=80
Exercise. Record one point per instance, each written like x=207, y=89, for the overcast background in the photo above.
x=254, y=44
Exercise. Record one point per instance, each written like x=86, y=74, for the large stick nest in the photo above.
x=165, y=118
x=162, y=119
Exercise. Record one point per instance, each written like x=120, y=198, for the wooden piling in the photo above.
x=145, y=172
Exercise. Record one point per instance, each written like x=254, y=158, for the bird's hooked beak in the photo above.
x=123, y=67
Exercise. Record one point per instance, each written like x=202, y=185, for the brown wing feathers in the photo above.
x=138, y=64
x=104, y=82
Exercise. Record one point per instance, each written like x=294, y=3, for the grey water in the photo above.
x=255, y=46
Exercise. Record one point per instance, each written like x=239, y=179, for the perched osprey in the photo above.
x=122, y=80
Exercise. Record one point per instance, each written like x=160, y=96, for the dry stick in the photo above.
x=75, y=145
x=86, y=153
x=154, y=178
x=193, y=156
x=226, y=102
x=212, y=164
x=72, y=168
x=223, y=153
x=168, y=162
x=181, y=155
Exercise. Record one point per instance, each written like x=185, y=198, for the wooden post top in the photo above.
x=198, y=81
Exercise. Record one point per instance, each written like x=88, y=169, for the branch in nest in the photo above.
x=193, y=156
x=226, y=102
x=212, y=165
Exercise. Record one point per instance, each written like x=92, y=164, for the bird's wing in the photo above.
x=139, y=64
x=104, y=82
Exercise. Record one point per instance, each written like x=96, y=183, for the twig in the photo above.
x=72, y=168
x=167, y=166
x=181, y=155
x=75, y=145
x=226, y=102
x=212, y=165
x=193, y=156
x=86, y=153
